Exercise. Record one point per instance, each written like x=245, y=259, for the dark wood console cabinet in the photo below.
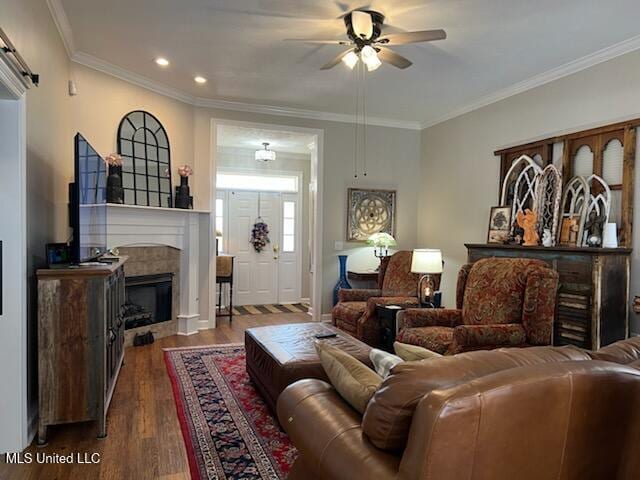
x=80, y=343
x=592, y=309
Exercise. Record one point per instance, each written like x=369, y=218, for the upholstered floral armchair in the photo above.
x=355, y=311
x=500, y=303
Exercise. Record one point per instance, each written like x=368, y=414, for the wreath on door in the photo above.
x=259, y=235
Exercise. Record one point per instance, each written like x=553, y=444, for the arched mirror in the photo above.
x=146, y=169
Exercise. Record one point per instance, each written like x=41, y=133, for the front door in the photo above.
x=256, y=273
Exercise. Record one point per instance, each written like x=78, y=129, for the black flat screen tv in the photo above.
x=88, y=203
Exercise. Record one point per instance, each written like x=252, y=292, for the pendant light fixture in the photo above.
x=265, y=155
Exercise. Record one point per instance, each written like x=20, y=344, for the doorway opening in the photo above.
x=275, y=198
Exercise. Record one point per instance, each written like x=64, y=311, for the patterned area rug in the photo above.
x=228, y=431
x=265, y=309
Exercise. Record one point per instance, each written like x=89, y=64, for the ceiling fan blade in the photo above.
x=362, y=24
x=332, y=63
x=413, y=37
x=392, y=58
x=318, y=41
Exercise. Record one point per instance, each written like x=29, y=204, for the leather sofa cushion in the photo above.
x=388, y=416
x=624, y=352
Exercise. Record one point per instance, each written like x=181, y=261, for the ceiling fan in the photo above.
x=364, y=30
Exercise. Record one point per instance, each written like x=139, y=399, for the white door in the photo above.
x=255, y=274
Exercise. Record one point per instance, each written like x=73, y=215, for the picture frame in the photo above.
x=499, y=224
x=370, y=211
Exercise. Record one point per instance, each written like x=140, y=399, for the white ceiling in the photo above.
x=232, y=136
x=238, y=45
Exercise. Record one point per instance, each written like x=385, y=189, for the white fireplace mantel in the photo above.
x=187, y=230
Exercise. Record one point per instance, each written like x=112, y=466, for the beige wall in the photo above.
x=460, y=172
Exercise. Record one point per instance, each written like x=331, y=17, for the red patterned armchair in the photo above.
x=500, y=303
x=355, y=312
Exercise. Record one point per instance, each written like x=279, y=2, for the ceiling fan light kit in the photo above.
x=265, y=155
x=350, y=59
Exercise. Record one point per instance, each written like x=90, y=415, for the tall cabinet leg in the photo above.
x=102, y=425
x=42, y=434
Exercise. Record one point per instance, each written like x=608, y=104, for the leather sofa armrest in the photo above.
x=357, y=294
x=472, y=337
x=431, y=317
x=623, y=351
x=327, y=432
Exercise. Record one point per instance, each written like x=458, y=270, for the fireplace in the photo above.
x=148, y=300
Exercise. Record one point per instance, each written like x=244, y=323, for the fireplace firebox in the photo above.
x=148, y=300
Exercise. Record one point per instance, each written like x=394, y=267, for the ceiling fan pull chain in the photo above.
x=355, y=143
x=364, y=121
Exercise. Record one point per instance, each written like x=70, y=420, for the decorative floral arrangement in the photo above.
x=259, y=235
x=113, y=160
x=185, y=170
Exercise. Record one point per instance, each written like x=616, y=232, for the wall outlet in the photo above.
x=338, y=246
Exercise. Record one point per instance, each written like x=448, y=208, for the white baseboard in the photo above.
x=305, y=300
x=325, y=317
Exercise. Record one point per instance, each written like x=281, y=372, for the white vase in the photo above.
x=610, y=236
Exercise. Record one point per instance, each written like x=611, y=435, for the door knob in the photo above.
x=275, y=251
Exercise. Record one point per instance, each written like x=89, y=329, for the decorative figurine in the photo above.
x=547, y=241
x=593, y=228
x=528, y=220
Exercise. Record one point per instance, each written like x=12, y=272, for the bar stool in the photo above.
x=224, y=274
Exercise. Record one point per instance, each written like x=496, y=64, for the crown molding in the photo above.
x=100, y=65
x=144, y=82
x=62, y=24
x=575, y=66
x=302, y=113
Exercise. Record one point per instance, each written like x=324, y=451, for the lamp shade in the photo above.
x=426, y=260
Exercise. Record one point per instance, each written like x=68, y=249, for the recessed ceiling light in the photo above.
x=163, y=62
x=200, y=79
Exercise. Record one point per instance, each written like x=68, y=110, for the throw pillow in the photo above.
x=354, y=381
x=383, y=361
x=410, y=352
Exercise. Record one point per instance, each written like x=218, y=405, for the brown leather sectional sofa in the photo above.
x=536, y=413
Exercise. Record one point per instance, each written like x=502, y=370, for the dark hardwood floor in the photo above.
x=144, y=439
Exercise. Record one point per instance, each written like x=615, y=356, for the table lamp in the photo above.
x=426, y=262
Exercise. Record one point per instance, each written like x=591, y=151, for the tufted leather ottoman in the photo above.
x=279, y=355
